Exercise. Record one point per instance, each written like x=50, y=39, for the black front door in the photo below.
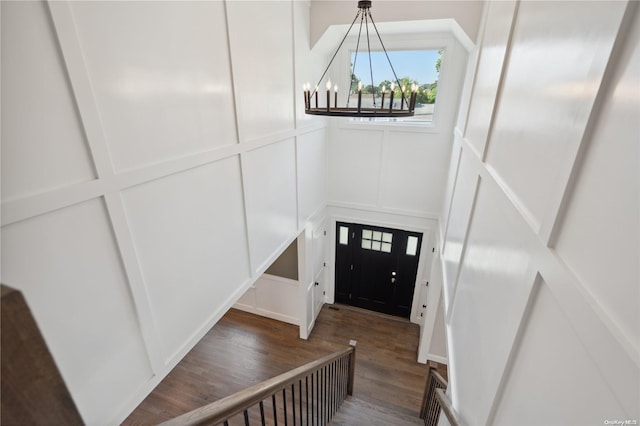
x=376, y=267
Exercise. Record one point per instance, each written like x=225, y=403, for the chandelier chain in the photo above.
x=336, y=52
x=385, y=52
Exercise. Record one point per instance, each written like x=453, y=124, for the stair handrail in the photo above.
x=430, y=407
x=447, y=408
x=225, y=408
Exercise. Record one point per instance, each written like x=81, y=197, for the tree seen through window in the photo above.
x=419, y=67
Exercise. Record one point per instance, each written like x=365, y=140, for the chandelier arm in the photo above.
x=334, y=54
x=355, y=59
x=373, y=90
x=387, y=55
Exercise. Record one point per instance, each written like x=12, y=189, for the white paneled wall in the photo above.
x=542, y=217
x=152, y=80
x=261, y=39
x=151, y=168
x=35, y=166
x=312, y=174
x=185, y=267
x=67, y=264
x=270, y=185
x=395, y=174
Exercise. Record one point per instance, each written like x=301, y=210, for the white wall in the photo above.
x=331, y=12
x=395, y=174
x=541, y=223
x=154, y=162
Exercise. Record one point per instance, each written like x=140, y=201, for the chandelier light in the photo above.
x=405, y=95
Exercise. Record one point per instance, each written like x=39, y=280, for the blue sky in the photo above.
x=417, y=64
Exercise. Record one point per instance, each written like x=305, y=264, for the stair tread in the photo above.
x=356, y=411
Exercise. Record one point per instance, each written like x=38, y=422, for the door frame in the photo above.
x=424, y=261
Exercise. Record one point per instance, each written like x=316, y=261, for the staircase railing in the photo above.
x=447, y=408
x=430, y=411
x=307, y=395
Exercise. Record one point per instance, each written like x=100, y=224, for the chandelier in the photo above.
x=388, y=107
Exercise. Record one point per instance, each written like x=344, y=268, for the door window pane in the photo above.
x=412, y=245
x=377, y=240
x=344, y=235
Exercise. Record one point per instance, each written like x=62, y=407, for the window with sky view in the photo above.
x=420, y=67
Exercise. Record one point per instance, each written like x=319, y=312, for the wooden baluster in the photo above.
x=293, y=404
x=352, y=367
x=306, y=386
x=300, y=399
x=262, y=413
x=275, y=412
x=284, y=405
x=246, y=417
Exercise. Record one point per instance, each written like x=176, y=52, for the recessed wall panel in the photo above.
x=485, y=86
x=354, y=166
x=605, y=258
x=261, y=35
x=491, y=295
x=555, y=67
x=67, y=265
x=190, y=239
x=161, y=77
x=414, y=171
x=550, y=364
x=456, y=232
x=312, y=173
x=43, y=141
x=270, y=184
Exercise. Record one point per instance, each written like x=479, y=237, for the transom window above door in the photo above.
x=377, y=240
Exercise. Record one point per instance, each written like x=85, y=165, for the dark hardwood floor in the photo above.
x=243, y=349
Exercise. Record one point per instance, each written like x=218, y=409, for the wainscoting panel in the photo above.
x=67, y=265
x=156, y=84
x=43, y=141
x=192, y=252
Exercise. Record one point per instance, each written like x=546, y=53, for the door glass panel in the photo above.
x=344, y=235
x=376, y=240
x=412, y=245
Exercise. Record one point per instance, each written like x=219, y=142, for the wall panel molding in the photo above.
x=599, y=336
x=118, y=186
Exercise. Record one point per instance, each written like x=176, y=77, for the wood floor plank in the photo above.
x=244, y=349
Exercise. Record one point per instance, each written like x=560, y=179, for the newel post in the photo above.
x=352, y=367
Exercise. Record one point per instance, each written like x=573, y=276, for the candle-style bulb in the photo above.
x=335, y=88
x=329, y=85
x=403, y=88
x=384, y=88
x=359, y=86
x=393, y=87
